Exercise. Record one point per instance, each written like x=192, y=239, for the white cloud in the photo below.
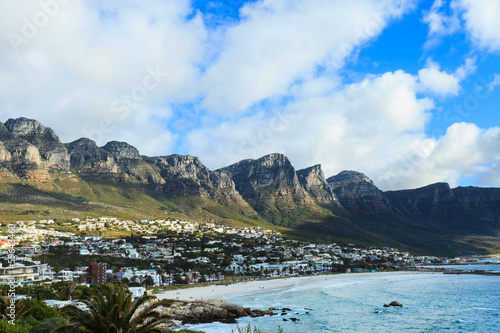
x=481, y=22
x=89, y=55
x=280, y=42
x=354, y=127
x=115, y=70
x=433, y=80
x=493, y=84
x=464, y=151
x=441, y=24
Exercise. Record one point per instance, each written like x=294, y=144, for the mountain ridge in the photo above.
x=346, y=206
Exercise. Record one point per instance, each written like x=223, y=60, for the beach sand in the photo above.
x=220, y=291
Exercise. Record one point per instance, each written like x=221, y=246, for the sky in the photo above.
x=405, y=91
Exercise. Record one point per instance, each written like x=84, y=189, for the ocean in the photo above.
x=432, y=302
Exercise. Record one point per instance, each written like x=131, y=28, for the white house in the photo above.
x=137, y=291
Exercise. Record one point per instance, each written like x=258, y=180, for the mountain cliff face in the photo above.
x=52, y=151
x=356, y=192
x=348, y=205
x=269, y=182
x=122, y=150
x=313, y=180
x=467, y=209
x=92, y=162
x=30, y=150
x=186, y=175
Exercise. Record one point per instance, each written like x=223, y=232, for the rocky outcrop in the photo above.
x=92, y=162
x=5, y=155
x=25, y=160
x=131, y=163
x=428, y=200
x=186, y=175
x=50, y=148
x=269, y=183
x=356, y=192
x=211, y=311
x=122, y=150
x=313, y=180
x=393, y=303
x=4, y=133
x=468, y=209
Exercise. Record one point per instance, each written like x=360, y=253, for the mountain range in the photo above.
x=42, y=177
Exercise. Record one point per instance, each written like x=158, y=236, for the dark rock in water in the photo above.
x=286, y=309
x=283, y=313
x=386, y=305
x=294, y=319
x=284, y=319
x=272, y=308
x=394, y=303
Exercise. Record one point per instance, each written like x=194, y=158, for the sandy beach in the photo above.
x=221, y=291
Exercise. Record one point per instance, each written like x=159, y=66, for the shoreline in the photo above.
x=221, y=291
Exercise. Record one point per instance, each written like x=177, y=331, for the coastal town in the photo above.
x=173, y=252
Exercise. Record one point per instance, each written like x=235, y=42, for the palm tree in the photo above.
x=112, y=310
x=67, y=291
x=19, y=308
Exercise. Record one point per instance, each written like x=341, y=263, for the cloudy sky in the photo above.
x=407, y=92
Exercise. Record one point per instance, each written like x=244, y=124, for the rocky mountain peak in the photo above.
x=348, y=176
x=269, y=170
x=85, y=153
x=185, y=166
x=274, y=160
x=313, y=180
x=30, y=130
x=121, y=150
x=50, y=148
x=356, y=191
x=82, y=144
x=311, y=176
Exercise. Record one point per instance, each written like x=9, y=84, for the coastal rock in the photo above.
x=234, y=308
x=210, y=311
x=218, y=312
x=394, y=303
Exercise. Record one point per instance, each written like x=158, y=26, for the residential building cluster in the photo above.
x=183, y=252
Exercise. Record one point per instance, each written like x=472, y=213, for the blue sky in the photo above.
x=405, y=91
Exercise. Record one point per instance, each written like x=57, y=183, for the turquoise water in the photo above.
x=432, y=303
